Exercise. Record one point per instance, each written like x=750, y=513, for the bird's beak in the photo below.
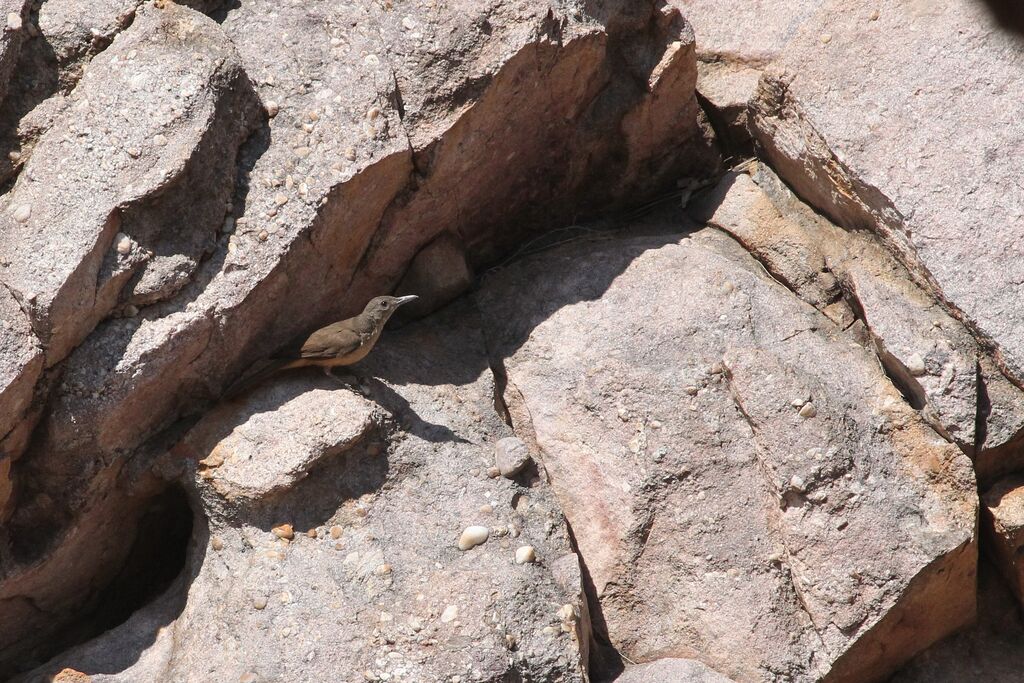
x=407, y=299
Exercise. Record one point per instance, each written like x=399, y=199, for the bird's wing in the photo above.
x=333, y=341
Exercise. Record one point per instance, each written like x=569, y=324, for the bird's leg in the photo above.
x=347, y=381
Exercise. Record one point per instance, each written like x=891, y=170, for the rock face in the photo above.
x=738, y=462
x=614, y=440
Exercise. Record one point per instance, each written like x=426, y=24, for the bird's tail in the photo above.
x=259, y=371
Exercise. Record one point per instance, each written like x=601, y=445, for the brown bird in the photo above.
x=341, y=343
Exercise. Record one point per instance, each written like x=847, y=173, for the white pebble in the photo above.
x=915, y=364
x=14, y=21
x=526, y=554
x=159, y=139
x=449, y=614
x=124, y=244
x=808, y=410
x=22, y=213
x=473, y=536
x=272, y=108
x=408, y=23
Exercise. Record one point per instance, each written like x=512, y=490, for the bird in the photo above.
x=341, y=343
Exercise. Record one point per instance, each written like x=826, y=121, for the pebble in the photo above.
x=280, y=199
x=915, y=364
x=14, y=21
x=259, y=602
x=526, y=555
x=874, y=15
x=216, y=543
x=486, y=509
x=728, y=287
x=826, y=38
x=383, y=569
x=350, y=153
x=335, y=532
x=449, y=614
x=474, y=472
x=124, y=244
x=272, y=108
x=493, y=472
x=263, y=235
x=284, y=531
x=690, y=390
x=22, y=213
x=511, y=455
x=473, y=536
x=797, y=483
x=312, y=533
x=808, y=410
x=408, y=23
x=159, y=139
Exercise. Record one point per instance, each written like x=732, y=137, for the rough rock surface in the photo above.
x=376, y=590
x=879, y=169
x=671, y=671
x=766, y=499
x=759, y=433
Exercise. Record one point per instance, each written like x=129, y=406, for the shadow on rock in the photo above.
x=1008, y=13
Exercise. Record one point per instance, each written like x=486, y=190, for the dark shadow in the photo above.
x=605, y=662
x=36, y=77
x=317, y=498
x=1009, y=14
x=409, y=420
x=992, y=650
x=146, y=594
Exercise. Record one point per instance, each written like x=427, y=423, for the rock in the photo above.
x=671, y=671
x=847, y=276
x=473, y=536
x=284, y=531
x=398, y=565
x=526, y=555
x=438, y=273
x=743, y=32
x=879, y=171
x=286, y=428
x=511, y=456
x=12, y=35
x=726, y=90
x=84, y=277
x=713, y=479
x=1003, y=526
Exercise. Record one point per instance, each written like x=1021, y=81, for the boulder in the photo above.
x=369, y=584
x=727, y=455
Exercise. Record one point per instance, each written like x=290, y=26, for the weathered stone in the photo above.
x=12, y=35
x=801, y=561
x=437, y=275
x=671, y=671
x=390, y=595
x=928, y=354
x=511, y=455
x=83, y=186
x=727, y=90
x=751, y=33
x=285, y=429
x=878, y=169
x=1003, y=526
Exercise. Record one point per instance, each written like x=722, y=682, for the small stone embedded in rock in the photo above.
x=160, y=139
x=312, y=533
x=216, y=543
x=493, y=472
x=335, y=532
x=70, y=675
x=124, y=244
x=473, y=536
x=284, y=531
x=14, y=21
x=511, y=455
x=259, y=602
x=22, y=213
x=808, y=410
x=526, y=555
x=449, y=614
x=915, y=365
x=272, y=108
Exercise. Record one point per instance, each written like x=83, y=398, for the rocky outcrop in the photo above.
x=740, y=461
x=352, y=569
x=613, y=440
